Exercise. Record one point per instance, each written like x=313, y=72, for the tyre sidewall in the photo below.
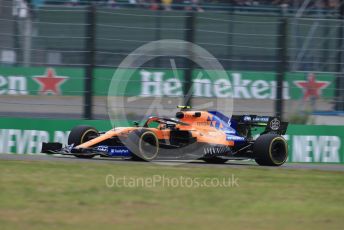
x=77, y=136
x=262, y=150
x=135, y=143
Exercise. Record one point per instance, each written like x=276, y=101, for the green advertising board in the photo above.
x=306, y=143
x=150, y=82
x=41, y=80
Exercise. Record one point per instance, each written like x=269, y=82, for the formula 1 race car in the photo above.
x=207, y=135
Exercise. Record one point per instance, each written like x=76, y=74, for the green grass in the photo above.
x=63, y=195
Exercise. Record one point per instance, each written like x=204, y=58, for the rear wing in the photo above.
x=271, y=124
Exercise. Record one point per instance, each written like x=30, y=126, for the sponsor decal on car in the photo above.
x=119, y=151
x=102, y=148
x=256, y=119
x=275, y=124
x=234, y=138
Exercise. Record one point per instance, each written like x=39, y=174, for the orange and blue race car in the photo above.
x=207, y=135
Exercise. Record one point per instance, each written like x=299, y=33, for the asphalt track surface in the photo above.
x=229, y=164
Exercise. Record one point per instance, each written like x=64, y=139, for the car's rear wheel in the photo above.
x=270, y=150
x=144, y=144
x=81, y=134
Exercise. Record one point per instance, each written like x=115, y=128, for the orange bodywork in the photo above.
x=199, y=126
x=203, y=129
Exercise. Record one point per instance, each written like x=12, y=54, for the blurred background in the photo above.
x=283, y=57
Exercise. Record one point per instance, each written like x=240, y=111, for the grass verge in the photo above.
x=63, y=195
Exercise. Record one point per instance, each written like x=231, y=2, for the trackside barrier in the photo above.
x=307, y=143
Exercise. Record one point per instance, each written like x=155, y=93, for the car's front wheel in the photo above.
x=81, y=134
x=270, y=150
x=144, y=144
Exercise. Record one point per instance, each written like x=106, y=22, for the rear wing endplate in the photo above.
x=271, y=124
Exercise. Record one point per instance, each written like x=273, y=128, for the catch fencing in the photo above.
x=287, y=62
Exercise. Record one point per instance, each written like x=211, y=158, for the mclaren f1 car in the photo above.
x=207, y=135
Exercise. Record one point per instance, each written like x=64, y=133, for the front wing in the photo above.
x=101, y=150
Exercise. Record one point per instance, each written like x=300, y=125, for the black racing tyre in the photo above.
x=215, y=160
x=81, y=134
x=144, y=144
x=270, y=150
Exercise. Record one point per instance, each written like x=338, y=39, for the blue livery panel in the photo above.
x=114, y=151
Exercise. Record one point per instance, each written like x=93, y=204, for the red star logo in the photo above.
x=311, y=87
x=50, y=83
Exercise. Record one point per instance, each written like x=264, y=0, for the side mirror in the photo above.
x=136, y=123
